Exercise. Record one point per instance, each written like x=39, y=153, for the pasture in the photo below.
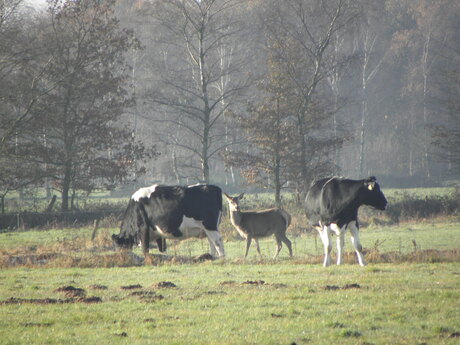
x=59, y=287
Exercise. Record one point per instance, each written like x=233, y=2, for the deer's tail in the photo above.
x=287, y=217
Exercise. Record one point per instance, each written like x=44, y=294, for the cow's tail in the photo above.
x=286, y=216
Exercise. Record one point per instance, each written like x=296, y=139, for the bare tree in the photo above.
x=371, y=60
x=303, y=31
x=198, y=69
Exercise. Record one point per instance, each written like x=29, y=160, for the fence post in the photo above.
x=96, y=226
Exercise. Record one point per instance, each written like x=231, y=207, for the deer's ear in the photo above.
x=227, y=196
x=241, y=196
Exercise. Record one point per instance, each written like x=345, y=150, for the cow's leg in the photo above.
x=326, y=238
x=340, y=245
x=145, y=243
x=340, y=241
x=354, y=230
x=215, y=239
x=212, y=248
x=145, y=240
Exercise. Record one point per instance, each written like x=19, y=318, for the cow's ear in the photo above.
x=370, y=185
x=241, y=196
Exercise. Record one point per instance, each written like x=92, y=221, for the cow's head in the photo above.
x=372, y=195
x=122, y=242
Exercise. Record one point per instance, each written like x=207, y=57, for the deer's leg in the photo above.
x=288, y=244
x=257, y=246
x=279, y=245
x=248, y=244
x=283, y=237
x=354, y=230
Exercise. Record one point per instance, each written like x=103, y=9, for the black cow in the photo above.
x=172, y=212
x=332, y=205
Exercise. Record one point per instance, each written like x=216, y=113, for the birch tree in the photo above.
x=198, y=68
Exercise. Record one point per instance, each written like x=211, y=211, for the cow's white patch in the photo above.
x=335, y=228
x=143, y=192
x=189, y=227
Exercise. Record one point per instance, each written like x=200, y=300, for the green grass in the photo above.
x=394, y=304
x=402, y=239
x=236, y=301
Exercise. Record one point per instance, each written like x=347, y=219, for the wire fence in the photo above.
x=30, y=220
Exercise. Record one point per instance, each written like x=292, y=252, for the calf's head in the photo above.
x=371, y=194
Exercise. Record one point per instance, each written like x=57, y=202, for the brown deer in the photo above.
x=253, y=225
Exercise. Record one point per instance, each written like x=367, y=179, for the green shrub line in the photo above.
x=403, y=206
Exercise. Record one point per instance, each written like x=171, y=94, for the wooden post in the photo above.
x=95, y=228
x=51, y=204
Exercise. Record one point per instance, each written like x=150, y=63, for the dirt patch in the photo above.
x=253, y=282
x=164, y=285
x=147, y=296
x=89, y=300
x=70, y=291
x=203, y=257
x=14, y=300
x=345, y=287
x=37, y=324
x=131, y=287
x=455, y=335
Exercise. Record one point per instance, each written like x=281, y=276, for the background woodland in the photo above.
x=246, y=94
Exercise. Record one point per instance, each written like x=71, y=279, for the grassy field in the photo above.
x=59, y=287
x=225, y=303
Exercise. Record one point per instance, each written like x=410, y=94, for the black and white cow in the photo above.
x=332, y=205
x=159, y=212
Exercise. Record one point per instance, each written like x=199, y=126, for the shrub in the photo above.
x=419, y=207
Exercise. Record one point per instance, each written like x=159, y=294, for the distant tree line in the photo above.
x=270, y=93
